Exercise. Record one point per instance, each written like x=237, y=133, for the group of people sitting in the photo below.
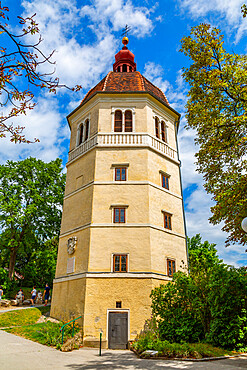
x=36, y=297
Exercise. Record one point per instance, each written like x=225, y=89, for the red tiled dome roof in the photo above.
x=126, y=82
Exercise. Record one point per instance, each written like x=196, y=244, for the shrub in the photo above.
x=147, y=341
x=209, y=304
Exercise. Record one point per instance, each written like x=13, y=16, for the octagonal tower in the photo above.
x=122, y=230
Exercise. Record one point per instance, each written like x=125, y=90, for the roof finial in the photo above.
x=125, y=31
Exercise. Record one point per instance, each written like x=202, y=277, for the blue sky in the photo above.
x=86, y=35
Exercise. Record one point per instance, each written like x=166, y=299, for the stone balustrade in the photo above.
x=124, y=140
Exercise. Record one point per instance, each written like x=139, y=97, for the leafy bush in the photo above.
x=147, y=341
x=209, y=304
x=7, y=285
x=177, y=318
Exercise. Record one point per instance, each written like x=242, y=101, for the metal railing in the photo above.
x=73, y=329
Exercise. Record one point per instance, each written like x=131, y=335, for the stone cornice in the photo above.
x=122, y=183
x=119, y=225
x=112, y=275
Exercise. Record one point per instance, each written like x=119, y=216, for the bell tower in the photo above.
x=124, y=59
x=122, y=231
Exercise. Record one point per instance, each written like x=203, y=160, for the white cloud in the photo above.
x=154, y=72
x=64, y=26
x=43, y=122
x=229, y=12
x=117, y=13
x=78, y=61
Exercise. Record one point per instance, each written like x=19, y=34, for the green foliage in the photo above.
x=178, y=350
x=31, y=197
x=244, y=10
x=8, y=285
x=19, y=317
x=175, y=306
x=216, y=109
x=209, y=304
x=40, y=265
x=3, y=279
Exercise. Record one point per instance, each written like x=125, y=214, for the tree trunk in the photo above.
x=12, y=260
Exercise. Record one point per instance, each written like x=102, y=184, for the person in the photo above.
x=33, y=295
x=46, y=293
x=39, y=298
x=19, y=296
x=1, y=292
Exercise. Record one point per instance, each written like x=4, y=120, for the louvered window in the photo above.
x=128, y=121
x=118, y=121
x=163, y=131
x=81, y=135
x=156, y=127
x=86, y=129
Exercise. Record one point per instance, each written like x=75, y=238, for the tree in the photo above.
x=244, y=10
x=209, y=304
x=38, y=264
x=216, y=109
x=20, y=64
x=31, y=198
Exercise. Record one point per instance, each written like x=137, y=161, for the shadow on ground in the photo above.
x=127, y=361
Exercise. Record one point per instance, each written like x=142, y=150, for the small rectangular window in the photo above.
x=120, y=174
x=119, y=215
x=171, y=267
x=165, y=181
x=118, y=304
x=167, y=221
x=120, y=262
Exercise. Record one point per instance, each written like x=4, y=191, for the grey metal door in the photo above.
x=118, y=330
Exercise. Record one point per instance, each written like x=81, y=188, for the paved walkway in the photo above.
x=21, y=354
x=13, y=308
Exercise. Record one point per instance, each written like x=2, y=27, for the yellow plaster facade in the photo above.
x=90, y=287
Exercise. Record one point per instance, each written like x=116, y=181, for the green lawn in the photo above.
x=22, y=323
x=45, y=333
x=19, y=317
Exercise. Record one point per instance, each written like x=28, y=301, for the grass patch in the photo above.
x=178, y=350
x=47, y=333
x=19, y=317
x=44, y=309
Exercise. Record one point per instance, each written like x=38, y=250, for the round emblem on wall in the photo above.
x=71, y=245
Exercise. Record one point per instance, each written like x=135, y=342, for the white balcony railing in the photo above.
x=124, y=140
